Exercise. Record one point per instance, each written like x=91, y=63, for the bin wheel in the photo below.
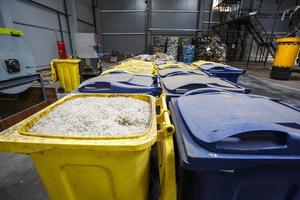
x=280, y=73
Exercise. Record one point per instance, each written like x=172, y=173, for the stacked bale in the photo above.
x=181, y=43
x=188, y=53
x=159, y=44
x=210, y=48
x=172, y=47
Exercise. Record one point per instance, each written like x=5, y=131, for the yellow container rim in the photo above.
x=24, y=129
x=109, y=71
x=66, y=60
x=17, y=138
x=288, y=39
x=199, y=63
x=168, y=65
x=136, y=61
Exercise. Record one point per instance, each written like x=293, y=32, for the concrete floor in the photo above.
x=18, y=177
x=258, y=80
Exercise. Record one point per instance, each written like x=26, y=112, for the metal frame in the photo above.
x=18, y=81
x=27, y=108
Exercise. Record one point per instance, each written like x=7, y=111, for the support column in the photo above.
x=98, y=21
x=148, y=27
x=73, y=25
x=200, y=16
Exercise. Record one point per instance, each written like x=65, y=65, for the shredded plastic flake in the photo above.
x=96, y=116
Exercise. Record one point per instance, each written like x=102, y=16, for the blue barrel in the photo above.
x=229, y=73
x=177, y=85
x=234, y=146
x=121, y=83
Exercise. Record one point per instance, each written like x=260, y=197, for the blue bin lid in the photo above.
x=228, y=122
x=184, y=83
x=178, y=71
x=120, y=82
x=214, y=68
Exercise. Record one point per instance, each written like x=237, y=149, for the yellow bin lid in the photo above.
x=66, y=60
x=288, y=39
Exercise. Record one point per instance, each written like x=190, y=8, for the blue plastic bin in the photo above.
x=177, y=85
x=229, y=73
x=121, y=83
x=234, y=146
x=178, y=71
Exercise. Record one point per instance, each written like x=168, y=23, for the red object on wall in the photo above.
x=61, y=50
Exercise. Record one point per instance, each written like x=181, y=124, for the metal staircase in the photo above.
x=260, y=35
x=235, y=30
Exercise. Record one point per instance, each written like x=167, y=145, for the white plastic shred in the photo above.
x=96, y=116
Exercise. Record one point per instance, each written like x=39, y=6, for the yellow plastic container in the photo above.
x=132, y=70
x=199, y=63
x=171, y=64
x=110, y=71
x=138, y=67
x=107, y=168
x=139, y=63
x=133, y=66
x=67, y=72
x=168, y=64
x=287, y=52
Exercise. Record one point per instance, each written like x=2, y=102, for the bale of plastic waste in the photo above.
x=188, y=53
x=181, y=43
x=159, y=44
x=172, y=47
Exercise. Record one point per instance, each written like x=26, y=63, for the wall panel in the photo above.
x=41, y=25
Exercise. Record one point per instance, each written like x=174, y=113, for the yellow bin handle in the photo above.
x=53, y=71
x=165, y=151
x=165, y=127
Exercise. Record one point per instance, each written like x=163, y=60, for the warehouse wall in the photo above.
x=129, y=25
x=185, y=18
x=84, y=10
x=123, y=25
x=41, y=25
